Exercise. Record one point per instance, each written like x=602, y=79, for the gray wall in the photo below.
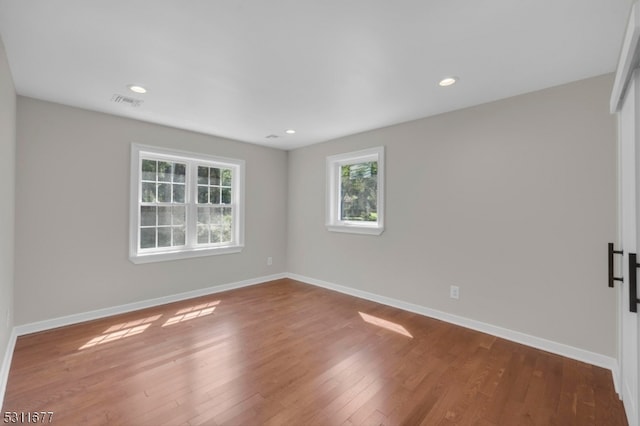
x=513, y=201
x=72, y=198
x=7, y=195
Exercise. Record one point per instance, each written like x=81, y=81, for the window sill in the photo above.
x=356, y=229
x=177, y=255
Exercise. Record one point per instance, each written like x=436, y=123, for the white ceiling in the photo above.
x=245, y=69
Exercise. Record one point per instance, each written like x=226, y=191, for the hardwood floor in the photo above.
x=286, y=353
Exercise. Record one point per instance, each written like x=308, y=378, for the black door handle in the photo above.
x=633, y=283
x=611, y=253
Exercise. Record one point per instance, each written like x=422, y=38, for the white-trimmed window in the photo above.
x=184, y=205
x=355, y=192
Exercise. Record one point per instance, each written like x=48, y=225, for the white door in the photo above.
x=629, y=152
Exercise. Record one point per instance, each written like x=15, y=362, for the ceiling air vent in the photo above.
x=271, y=136
x=125, y=100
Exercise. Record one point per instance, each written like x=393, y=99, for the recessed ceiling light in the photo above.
x=290, y=131
x=137, y=89
x=448, y=81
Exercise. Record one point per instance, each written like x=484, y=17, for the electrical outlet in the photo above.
x=454, y=292
x=269, y=261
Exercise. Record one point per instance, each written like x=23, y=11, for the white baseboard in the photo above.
x=6, y=364
x=35, y=327
x=505, y=333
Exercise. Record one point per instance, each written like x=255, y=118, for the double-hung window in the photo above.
x=184, y=205
x=355, y=192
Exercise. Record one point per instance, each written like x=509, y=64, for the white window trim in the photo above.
x=138, y=151
x=334, y=164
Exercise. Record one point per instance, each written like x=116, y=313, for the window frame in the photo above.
x=191, y=248
x=334, y=164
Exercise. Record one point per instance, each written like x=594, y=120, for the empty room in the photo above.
x=278, y=212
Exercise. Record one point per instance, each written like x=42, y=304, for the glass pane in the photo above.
x=203, y=215
x=358, y=192
x=179, y=171
x=203, y=194
x=147, y=238
x=147, y=216
x=164, y=237
x=226, y=177
x=178, y=193
x=227, y=216
x=203, y=175
x=227, y=223
x=216, y=215
x=164, y=171
x=178, y=235
x=164, y=192
x=226, y=195
x=164, y=216
x=203, y=234
x=178, y=215
x=148, y=192
x=226, y=234
x=214, y=193
x=149, y=170
x=216, y=234
x=214, y=176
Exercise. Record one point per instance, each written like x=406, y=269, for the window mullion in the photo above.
x=338, y=198
x=192, y=211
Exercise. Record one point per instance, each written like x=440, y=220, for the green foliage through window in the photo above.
x=359, y=192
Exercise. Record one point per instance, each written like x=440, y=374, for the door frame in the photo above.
x=626, y=72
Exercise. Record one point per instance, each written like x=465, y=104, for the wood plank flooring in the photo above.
x=286, y=353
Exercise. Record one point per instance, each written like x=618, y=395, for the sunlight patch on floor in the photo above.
x=192, y=312
x=392, y=326
x=132, y=324
x=120, y=331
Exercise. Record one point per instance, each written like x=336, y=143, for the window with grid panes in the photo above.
x=355, y=192
x=184, y=204
x=215, y=214
x=162, y=204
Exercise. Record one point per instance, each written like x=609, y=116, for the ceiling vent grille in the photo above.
x=119, y=99
x=271, y=136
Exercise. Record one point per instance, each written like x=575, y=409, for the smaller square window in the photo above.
x=355, y=192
